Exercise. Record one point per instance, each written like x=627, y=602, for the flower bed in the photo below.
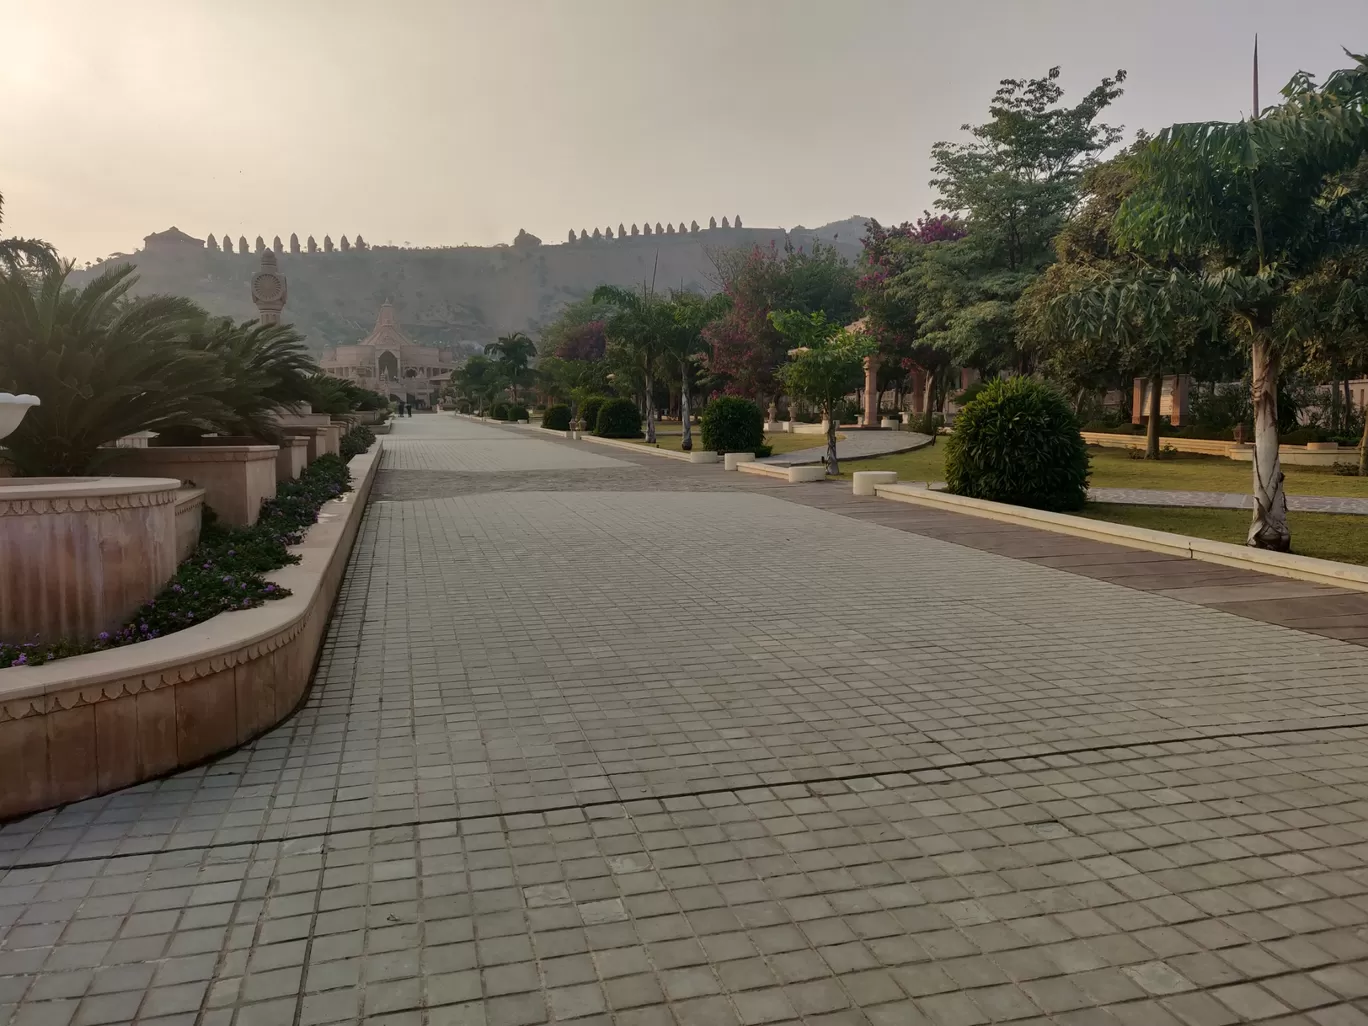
x=227, y=570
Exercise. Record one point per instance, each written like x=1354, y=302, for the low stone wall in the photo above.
x=1206, y=446
x=91, y=724
x=189, y=520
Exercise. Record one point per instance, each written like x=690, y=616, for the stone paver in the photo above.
x=641, y=756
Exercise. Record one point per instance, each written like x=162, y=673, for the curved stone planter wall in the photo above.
x=78, y=555
x=94, y=723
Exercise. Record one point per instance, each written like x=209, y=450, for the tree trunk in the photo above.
x=1268, y=529
x=686, y=442
x=650, y=409
x=1152, y=428
x=927, y=411
x=832, y=466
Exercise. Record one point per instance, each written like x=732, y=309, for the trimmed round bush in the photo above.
x=557, y=418
x=733, y=424
x=1018, y=442
x=517, y=411
x=589, y=411
x=499, y=411
x=618, y=418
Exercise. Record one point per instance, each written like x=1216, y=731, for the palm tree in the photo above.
x=637, y=330
x=683, y=341
x=20, y=253
x=105, y=365
x=266, y=369
x=1254, y=206
x=512, y=353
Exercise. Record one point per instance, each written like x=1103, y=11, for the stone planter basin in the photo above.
x=82, y=553
x=236, y=478
x=12, y=410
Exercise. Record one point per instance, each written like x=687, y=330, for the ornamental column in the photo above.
x=871, y=405
x=268, y=289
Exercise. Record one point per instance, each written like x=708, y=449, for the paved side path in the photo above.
x=594, y=749
x=1224, y=500
x=854, y=446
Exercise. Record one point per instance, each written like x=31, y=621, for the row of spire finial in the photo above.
x=668, y=229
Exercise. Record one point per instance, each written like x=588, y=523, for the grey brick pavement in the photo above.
x=712, y=757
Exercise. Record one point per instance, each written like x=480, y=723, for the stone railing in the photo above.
x=91, y=724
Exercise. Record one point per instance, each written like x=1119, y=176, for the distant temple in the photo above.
x=387, y=362
x=172, y=242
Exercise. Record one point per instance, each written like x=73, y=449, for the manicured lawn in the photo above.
x=1112, y=468
x=1340, y=536
x=781, y=443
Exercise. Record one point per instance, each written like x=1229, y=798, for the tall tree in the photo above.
x=690, y=315
x=1255, y=203
x=512, y=353
x=1013, y=183
x=636, y=332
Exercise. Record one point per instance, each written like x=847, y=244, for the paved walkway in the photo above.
x=854, y=446
x=629, y=741
x=1224, y=500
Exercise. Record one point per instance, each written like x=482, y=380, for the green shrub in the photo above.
x=847, y=411
x=1018, y=442
x=557, y=418
x=618, y=418
x=732, y=424
x=499, y=411
x=356, y=441
x=763, y=450
x=517, y=411
x=589, y=411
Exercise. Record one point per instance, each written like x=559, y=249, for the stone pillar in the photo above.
x=871, y=403
x=268, y=289
x=918, y=390
x=1178, y=399
x=1138, y=404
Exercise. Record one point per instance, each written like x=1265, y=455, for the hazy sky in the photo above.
x=460, y=121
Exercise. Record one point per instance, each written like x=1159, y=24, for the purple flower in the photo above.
x=104, y=635
x=22, y=660
x=270, y=588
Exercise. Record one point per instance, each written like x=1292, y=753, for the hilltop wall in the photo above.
x=458, y=294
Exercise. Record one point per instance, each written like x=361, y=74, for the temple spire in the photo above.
x=1256, y=77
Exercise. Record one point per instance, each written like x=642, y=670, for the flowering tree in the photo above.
x=745, y=348
x=826, y=362
x=892, y=310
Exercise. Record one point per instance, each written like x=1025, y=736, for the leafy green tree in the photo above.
x=826, y=362
x=23, y=253
x=513, y=353
x=105, y=365
x=690, y=315
x=637, y=330
x=478, y=381
x=1255, y=205
x=1013, y=184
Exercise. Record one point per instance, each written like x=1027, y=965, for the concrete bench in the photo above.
x=702, y=456
x=800, y=475
x=865, y=480
x=732, y=459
